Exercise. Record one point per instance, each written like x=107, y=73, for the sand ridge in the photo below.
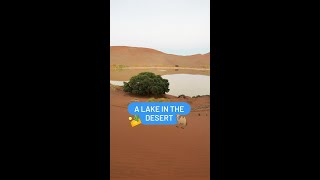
x=137, y=57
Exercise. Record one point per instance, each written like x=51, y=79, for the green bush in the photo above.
x=147, y=83
x=151, y=100
x=159, y=100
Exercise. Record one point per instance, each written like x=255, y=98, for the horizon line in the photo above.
x=158, y=50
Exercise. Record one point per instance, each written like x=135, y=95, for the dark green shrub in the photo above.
x=147, y=83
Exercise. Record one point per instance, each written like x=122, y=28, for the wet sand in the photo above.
x=187, y=68
x=159, y=152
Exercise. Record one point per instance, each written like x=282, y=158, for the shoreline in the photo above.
x=169, y=96
x=154, y=67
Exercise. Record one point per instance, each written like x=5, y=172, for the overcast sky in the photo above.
x=179, y=27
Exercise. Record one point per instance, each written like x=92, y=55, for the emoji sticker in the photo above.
x=182, y=121
x=135, y=121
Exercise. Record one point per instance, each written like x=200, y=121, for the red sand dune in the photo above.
x=136, y=56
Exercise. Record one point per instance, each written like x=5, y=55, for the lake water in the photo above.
x=187, y=84
x=126, y=74
x=118, y=83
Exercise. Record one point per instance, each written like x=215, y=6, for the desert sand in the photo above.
x=143, y=57
x=159, y=152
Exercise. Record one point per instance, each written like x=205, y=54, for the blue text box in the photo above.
x=159, y=113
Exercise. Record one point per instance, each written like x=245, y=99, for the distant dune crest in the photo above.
x=138, y=56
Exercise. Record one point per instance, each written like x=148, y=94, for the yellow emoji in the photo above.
x=135, y=121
